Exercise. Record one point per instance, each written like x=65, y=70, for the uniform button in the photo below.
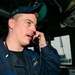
x=6, y=55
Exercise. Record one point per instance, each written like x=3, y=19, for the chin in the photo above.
x=27, y=43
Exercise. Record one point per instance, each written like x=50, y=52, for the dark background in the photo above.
x=50, y=25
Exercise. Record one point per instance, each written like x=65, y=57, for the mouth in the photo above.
x=30, y=37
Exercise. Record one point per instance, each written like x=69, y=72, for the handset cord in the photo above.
x=40, y=55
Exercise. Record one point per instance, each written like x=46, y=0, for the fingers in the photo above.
x=38, y=34
x=41, y=37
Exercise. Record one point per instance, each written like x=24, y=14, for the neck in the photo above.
x=13, y=45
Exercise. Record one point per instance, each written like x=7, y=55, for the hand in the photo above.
x=41, y=37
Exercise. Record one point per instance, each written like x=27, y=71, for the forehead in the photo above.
x=30, y=15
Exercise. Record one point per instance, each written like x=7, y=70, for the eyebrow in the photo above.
x=31, y=21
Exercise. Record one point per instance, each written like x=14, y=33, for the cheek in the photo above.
x=18, y=30
x=21, y=29
x=24, y=29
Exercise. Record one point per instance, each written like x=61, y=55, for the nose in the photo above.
x=33, y=28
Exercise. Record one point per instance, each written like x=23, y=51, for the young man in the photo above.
x=15, y=58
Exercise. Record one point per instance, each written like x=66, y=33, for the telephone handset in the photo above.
x=36, y=40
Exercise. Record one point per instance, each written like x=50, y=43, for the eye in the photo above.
x=28, y=23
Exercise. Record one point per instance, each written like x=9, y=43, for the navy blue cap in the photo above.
x=41, y=9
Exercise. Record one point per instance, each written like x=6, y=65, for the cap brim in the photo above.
x=42, y=10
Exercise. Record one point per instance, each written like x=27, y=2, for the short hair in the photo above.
x=16, y=17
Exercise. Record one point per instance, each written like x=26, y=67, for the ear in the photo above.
x=11, y=23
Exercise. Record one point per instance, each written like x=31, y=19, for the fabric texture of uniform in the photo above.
x=48, y=65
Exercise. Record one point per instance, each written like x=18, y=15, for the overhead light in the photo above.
x=4, y=13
